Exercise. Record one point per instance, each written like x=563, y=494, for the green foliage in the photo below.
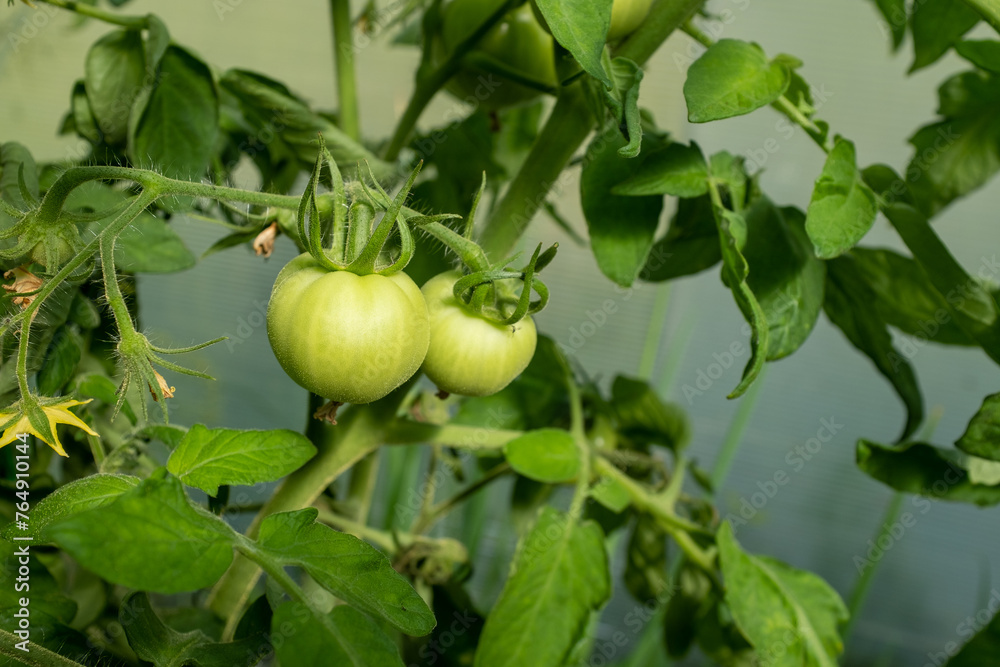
x=843, y=207
x=160, y=644
x=546, y=455
x=560, y=577
x=733, y=78
x=367, y=570
x=621, y=228
x=788, y=615
x=207, y=458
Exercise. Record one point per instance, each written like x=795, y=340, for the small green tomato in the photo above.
x=469, y=354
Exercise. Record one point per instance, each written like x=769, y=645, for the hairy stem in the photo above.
x=35, y=656
x=343, y=54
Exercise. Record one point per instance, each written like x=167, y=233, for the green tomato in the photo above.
x=470, y=355
x=348, y=338
x=626, y=16
x=517, y=41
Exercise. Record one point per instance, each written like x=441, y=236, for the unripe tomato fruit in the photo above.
x=348, y=338
x=517, y=40
x=626, y=16
x=470, y=355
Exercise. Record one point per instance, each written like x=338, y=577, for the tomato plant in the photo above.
x=483, y=497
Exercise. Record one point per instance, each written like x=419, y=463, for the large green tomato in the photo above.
x=517, y=41
x=348, y=338
x=470, y=355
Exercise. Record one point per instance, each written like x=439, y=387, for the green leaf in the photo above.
x=60, y=361
x=114, y=72
x=936, y=25
x=150, y=538
x=850, y=305
x=677, y=170
x=734, y=275
x=959, y=153
x=266, y=103
x=644, y=418
x=346, y=637
x=982, y=435
x=168, y=434
x=208, y=458
x=623, y=102
x=559, y=577
x=975, y=310
x=732, y=78
x=610, y=493
x=621, y=228
x=15, y=162
x=691, y=244
x=45, y=596
x=157, y=40
x=784, y=275
x=178, y=125
x=84, y=123
x=773, y=603
x=905, y=296
x=159, y=644
x=351, y=569
x=984, y=647
x=984, y=54
x=547, y=455
x=843, y=207
x=894, y=13
x=581, y=27
x=77, y=496
x=924, y=469
x=646, y=561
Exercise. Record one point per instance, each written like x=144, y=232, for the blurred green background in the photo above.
x=939, y=571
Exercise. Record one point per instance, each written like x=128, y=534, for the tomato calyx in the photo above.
x=484, y=290
x=356, y=246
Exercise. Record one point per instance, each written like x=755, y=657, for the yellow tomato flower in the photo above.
x=56, y=413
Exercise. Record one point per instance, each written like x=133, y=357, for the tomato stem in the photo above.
x=343, y=54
